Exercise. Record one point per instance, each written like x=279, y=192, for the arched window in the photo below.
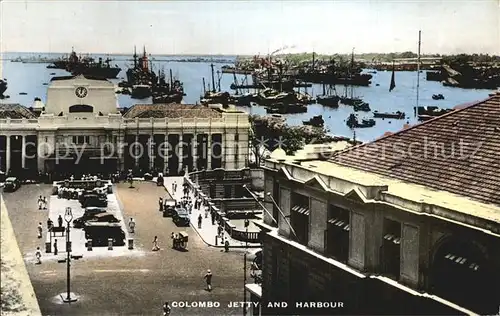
x=81, y=108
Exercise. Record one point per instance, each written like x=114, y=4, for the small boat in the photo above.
x=22, y=93
x=243, y=100
x=168, y=98
x=282, y=108
x=349, y=101
x=395, y=115
x=425, y=113
x=52, y=73
x=437, y=97
x=362, y=106
x=353, y=122
x=316, y=121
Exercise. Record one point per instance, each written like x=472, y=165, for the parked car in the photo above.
x=89, y=213
x=11, y=184
x=96, y=200
x=100, y=232
x=168, y=208
x=181, y=217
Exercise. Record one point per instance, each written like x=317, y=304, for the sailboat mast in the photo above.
x=418, y=66
x=213, y=78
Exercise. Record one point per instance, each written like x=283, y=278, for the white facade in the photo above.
x=59, y=131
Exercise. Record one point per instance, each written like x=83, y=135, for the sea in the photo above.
x=32, y=79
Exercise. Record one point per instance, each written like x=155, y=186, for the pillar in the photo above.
x=120, y=146
x=7, y=155
x=181, y=150
x=23, y=152
x=167, y=152
x=209, y=152
x=194, y=150
x=151, y=152
x=136, y=151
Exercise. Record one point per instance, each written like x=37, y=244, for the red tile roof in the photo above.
x=15, y=111
x=172, y=110
x=458, y=152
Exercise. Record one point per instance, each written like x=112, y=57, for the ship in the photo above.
x=394, y=115
x=141, y=72
x=87, y=66
x=3, y=87
x=329, y=97
x=171, y=92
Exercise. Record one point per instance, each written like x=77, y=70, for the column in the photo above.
x=7, y=155
x=181, y=150
x=120, y=138
x=151, y=152
x=194, y=150
x=136, y=151
x=209, y=152
x=23, y=152
x=166, y=153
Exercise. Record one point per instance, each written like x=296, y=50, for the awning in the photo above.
x=301, y=210
x=339, y=223
x=396, y=240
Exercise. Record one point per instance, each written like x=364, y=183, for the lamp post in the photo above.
x=68, y=217
x=247, y=222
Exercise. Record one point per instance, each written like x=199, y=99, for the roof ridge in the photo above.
x=493, y=97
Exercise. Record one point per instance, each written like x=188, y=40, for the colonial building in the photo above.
x=82, y=125
x=407, y=224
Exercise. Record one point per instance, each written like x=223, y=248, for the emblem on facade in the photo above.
x=81, y=92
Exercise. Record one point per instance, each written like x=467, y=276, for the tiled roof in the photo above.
x=458, y=152
x=15, y=111
x=172, y=110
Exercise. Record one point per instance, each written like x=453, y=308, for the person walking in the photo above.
x=160, y=204
x=208, y=279
x=40, y=203
x=200, y=219
x=155, y=244
x=220, y=231
x=49, y=224
x=131, y=225
x=40, y=229
x=38, y=256
x=55, y=247
x=60, y=221
x=44, y=202
x=226, y=245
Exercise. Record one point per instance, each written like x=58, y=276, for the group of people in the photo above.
x=42, y=203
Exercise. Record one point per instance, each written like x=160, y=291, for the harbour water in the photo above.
x=31, y=78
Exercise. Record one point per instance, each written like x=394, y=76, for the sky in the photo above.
x=250, y=27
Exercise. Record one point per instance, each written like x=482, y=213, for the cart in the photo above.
x=180, y=240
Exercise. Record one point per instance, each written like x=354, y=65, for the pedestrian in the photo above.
x=208, y=278
x=206, y=213
x=199, y=220
x=38, y=256
x=155, y=244
x=212, y=214
x=40, y=230
x=131, y=225
x=60, y=221
x=44, y=203
x=190, y=207
x=166, y=309
x=55, y=247
x=220, y=231
x=226, y=245
x=40, y=203
x=49, y=224
x=173, y=187
x=160, y=204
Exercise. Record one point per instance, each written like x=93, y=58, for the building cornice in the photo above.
x=367, y=188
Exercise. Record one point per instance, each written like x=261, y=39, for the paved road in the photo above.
x=132, y=285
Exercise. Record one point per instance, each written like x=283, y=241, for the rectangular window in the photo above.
x=87, y=139
x=391, y=249
x=74, y=139
x=337, y=233
x=300, y=217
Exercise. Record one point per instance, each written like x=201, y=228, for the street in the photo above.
x=135, y=284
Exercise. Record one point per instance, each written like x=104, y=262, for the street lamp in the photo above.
x=247, y=222
x=68, y=217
